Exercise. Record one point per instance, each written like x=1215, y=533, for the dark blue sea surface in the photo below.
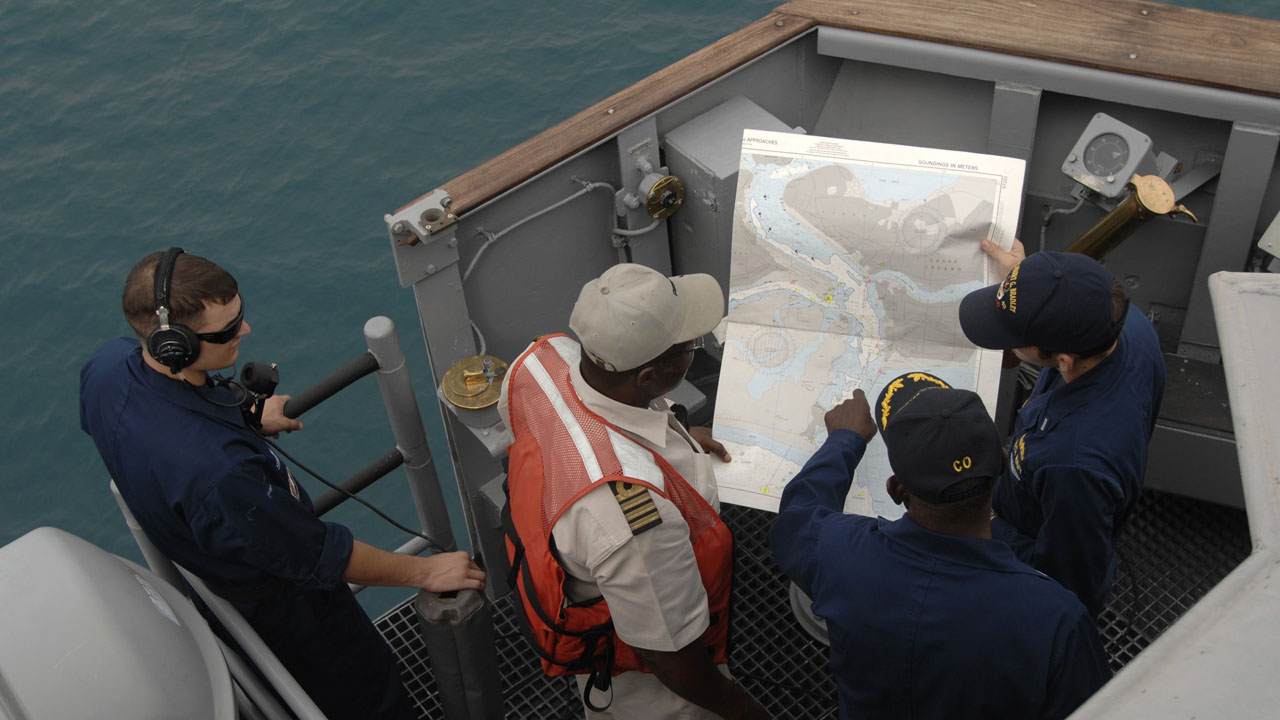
x=271, y=137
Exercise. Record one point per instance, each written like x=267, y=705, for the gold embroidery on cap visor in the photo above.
x=894, y=387
x=897, y=384
x=1007, y=294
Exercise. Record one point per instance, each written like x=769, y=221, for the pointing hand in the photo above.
x=852, y=414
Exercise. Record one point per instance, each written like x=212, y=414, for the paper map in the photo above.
x=848, y=265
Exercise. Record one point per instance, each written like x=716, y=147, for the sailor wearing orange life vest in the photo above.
x=614, y=506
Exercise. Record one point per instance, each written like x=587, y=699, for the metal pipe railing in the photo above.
x=363, y=365
x=385, y=357
x=363, y=478
x=410, y=434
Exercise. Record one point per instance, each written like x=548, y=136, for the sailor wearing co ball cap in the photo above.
x=928, y=615
x=1078, y=452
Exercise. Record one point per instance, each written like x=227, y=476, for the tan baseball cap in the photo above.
x=632, y=314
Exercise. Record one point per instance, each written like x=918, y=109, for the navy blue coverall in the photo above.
x=925, y=625
x=1076, y=462
x=214, y=498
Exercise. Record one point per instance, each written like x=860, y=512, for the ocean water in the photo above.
x=271, y=137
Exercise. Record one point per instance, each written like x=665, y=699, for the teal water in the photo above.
x=271, y=137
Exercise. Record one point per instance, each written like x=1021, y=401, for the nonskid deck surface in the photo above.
x=1173, y=552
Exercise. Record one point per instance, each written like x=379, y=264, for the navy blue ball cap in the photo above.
x=938, y=437
x=1058, y=302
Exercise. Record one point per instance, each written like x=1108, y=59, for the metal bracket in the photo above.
x=418, y=222
x=423, y=237
x=1270, y=240
x=1192, y=179
x=484, y=424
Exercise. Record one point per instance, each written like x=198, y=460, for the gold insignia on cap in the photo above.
x=1007, y=295
x=637, y=506
x=897, y=384
x=894, y=387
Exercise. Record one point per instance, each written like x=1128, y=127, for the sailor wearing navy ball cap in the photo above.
x=1078, y=452
x=928, y=615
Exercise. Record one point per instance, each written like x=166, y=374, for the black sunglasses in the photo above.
x=226, y=334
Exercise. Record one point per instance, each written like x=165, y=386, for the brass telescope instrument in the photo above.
x=1149, y=196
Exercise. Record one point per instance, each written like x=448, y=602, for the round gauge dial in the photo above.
x=1106, y=155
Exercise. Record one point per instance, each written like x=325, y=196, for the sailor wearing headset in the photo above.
x=214, y=498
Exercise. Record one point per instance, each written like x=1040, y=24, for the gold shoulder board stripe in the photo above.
x=637, y=506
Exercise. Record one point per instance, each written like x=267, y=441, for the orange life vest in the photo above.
x=561, y=451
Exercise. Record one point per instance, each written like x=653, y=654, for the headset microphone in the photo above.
x=257, y=382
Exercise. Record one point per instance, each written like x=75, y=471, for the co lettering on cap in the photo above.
x=962, y=464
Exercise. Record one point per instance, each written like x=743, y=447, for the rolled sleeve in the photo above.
x=816, y=493
x=245, y=518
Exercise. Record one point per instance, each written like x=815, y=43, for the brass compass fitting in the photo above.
x=474, y=382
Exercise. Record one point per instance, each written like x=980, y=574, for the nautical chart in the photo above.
x=849, y=262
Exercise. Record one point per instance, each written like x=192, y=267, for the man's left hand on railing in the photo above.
x=442, y=572
x=273, y=420
x=450, y=571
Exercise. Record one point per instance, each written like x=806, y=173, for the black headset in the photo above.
x=174, y=346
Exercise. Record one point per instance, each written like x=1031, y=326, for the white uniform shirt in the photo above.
x=650, y=580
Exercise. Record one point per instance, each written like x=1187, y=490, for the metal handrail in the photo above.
x=363, y=365
x=385, y=358
x=367, y=476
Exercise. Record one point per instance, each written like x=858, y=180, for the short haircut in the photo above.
x=195, y=281
x=976, y=500
x=1119, y=310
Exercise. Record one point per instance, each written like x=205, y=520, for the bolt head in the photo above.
x=431, y=269
x=398, y=228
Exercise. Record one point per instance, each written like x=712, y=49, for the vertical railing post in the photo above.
x=406, y=425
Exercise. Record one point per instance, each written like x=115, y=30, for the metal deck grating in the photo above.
x=1173, y=551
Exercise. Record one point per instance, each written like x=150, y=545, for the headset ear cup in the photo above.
x=176, y=347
